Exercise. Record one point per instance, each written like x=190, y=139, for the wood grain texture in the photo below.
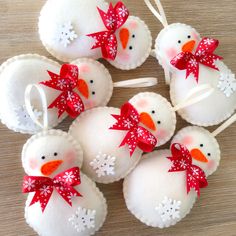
x=215, y=213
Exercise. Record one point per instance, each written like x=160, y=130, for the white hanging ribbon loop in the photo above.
x=161, y=16
x=29, y=107
x=137, y=83
x=224, y=126
x=191, y=97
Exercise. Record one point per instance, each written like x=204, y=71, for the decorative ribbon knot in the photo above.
x=44, y=186
x=137, y=136
x=68, y=101
x=182, y=161
x=204, y=55
x=113, y=20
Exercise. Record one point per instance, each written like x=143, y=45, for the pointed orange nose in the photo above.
x=83, y=88
x=147, y=120
x=198, y=155
x=124, y=37
x=49, y=167
x=189, y=46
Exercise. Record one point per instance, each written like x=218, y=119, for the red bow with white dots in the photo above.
x=44, y=186
x=66, y=82
x=128, y=120
x=204, y=55
x=182, y=161
x=113, y=20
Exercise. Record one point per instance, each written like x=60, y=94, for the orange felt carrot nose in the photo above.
x=198, y=155
x=49, y=167
x=124, y=37
x=83, y=88
x=147, y=120
x=189, y=46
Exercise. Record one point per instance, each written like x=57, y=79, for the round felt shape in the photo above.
x=15, y=74
x=48, y=146
x=200, y=139
x=98, y=80
x=161, y=113
x=56, y=28
x=138, y=47
x=102, y=154
x=59, y=218
x=150, y=184
x=210, y=111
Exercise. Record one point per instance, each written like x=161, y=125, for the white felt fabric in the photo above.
x=92, y=131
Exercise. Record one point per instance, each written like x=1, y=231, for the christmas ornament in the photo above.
x=190, y=61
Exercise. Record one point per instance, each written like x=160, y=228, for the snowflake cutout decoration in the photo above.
x=103, y=164
x=227, y=82
x=65, y=34
x=82, y=219
x=24, y=119
x=169, y=209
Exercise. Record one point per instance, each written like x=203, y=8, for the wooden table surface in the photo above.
x=215, y=212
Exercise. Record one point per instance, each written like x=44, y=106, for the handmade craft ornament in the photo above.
x=61, y=200
x=174, y=178
x=94, y=29
x=70, y=89
x=190, y=61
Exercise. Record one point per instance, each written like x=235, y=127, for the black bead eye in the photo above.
x=93, y=93
x=43, y=157
x=130, y=48
x=189, y=36
x=201, y=145
x=209, y=154
x=133, y=36
x=153, y=112
x=179, y=41
x=158, y=122
x=91, y=81
x=55, y=154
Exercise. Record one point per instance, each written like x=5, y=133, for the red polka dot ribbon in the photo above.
x=113, y=20
x=182, y=161
x=44, y=186
x=68, y=101
x=204, y=55
x=137, y=136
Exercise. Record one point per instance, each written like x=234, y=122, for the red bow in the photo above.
x=113, y=20
x=182, y=161
x=204, y=55
x=43, y=186
x=66, y=82
x=137, y=135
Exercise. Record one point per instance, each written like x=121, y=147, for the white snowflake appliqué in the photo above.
x=103, y=164
x=65, y=34
x=69, y=176
x=82, y=219
x=169, y=209
x=29, y=184
x=227, y=82
x=24, y=119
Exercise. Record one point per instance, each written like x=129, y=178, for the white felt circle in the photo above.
x=194, y=137
x=92, y=131
x=147, y=186
x=55, y=219
x=161, y=113
x=83, y=17
x=49, y=146
x=138, y=47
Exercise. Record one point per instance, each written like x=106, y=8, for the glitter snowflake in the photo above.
x=24, y=119
x=103, y=164
x=82, y=219
x=227, y=82
x=65, y=34
x=169, y=209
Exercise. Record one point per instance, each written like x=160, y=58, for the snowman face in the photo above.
x=156, y=115
x=97, y=85
x=203, y=147
x=174, y=39
x=134, y=44
x=49, y=153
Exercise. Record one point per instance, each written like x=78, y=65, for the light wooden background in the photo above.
x=215, y=212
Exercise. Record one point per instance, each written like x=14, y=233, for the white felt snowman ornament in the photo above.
x=171, y=179
x=190, y=61
x=94, y=29
x=70, y=89
x=62, y=200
